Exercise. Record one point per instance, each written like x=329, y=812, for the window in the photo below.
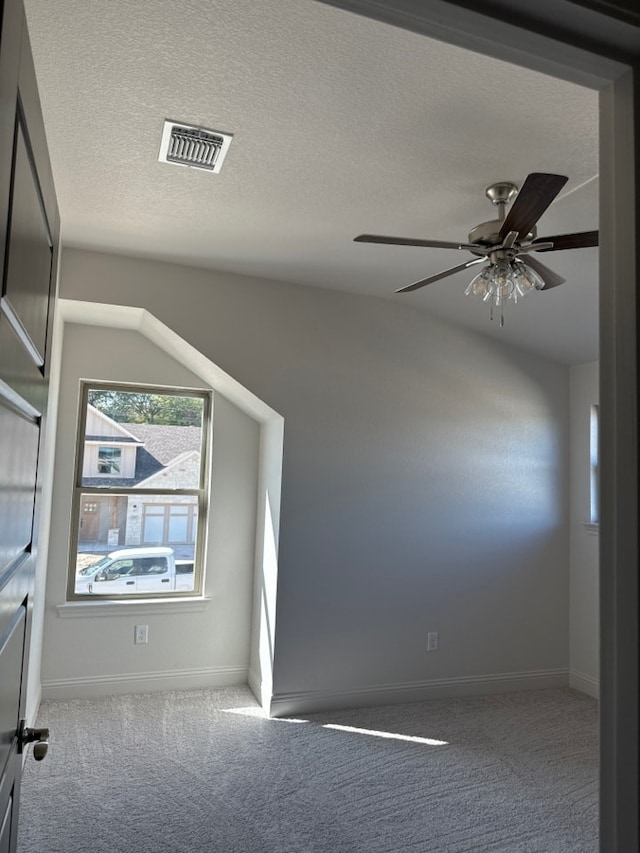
x=594, y=466
x=109, y=460
x=139, y=506
x=172, y=523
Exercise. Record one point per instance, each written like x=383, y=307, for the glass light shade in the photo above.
x=480, y=285
x=504, y=280
x=526, y=279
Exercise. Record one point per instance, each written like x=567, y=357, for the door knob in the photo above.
x=38, y=737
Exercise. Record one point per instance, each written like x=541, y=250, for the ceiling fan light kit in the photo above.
x=503, y=281
x=506, y=244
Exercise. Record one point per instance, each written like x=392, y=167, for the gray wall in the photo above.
x=584, y=540
x=89, y=652
x=425, y=481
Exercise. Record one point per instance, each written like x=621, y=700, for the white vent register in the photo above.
x=197, y=147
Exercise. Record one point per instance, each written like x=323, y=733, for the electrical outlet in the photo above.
x=142, y=634
x=433, y=641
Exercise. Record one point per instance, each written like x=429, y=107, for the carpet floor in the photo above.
x=204, y=770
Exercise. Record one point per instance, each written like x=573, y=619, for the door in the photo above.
x=28, y=256
x=89, y=516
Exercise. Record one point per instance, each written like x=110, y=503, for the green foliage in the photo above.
x=144, y=408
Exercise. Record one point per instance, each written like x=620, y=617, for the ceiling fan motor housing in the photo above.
x=488, y=234
x=501, y=194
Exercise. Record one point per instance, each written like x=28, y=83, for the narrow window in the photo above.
x=140, y=497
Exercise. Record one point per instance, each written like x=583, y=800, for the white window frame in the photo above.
x=80, y=492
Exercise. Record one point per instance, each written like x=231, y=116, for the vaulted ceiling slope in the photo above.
x=341, y=125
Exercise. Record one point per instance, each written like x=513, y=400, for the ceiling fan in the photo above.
x=505, y=244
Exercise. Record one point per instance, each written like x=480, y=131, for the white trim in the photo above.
x=141, y=320
x=146, y=607
x=584, y=683
x=592, y=527
x=144, y=682
x=416, y=691
x=269, y=464
x=106, y=440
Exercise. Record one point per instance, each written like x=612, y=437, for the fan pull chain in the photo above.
x=501, y=313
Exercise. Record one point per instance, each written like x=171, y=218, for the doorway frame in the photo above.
x=578, y=42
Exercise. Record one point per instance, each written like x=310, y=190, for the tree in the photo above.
x=144, y=408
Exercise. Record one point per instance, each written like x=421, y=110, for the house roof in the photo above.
x=162, y=446
x=188, y=469
x=165, y=442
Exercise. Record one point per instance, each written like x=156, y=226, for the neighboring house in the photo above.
x=144, y=456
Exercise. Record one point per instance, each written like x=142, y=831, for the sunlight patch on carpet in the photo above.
x=390, y=735
x=249, y=711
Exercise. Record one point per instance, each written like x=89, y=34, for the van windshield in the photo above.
x=94, y=567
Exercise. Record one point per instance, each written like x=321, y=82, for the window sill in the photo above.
x=592, y=527
x=140, y=607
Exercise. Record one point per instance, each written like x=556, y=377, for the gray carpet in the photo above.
x=200, y=770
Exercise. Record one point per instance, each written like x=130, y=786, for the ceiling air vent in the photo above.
x=186, y=145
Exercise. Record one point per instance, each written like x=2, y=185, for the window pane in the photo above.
x=178, y=531
x=146, y=570
x=153, y=527
x=142, y=440
x=132, y=536
x=110, y=521
x=139, y=486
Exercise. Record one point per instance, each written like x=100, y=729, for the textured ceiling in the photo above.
x=341, y=125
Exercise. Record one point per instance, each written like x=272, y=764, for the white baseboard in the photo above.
x=143, y=682
x=283, y=704
x=286, y=704
x=584, y=683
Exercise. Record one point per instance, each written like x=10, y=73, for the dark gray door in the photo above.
x=28, y=250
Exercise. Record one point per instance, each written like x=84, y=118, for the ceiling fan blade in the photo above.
x=407, y=241
x=535, y=196
x=580, y=240
x=440, y=275
x=550, y=278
